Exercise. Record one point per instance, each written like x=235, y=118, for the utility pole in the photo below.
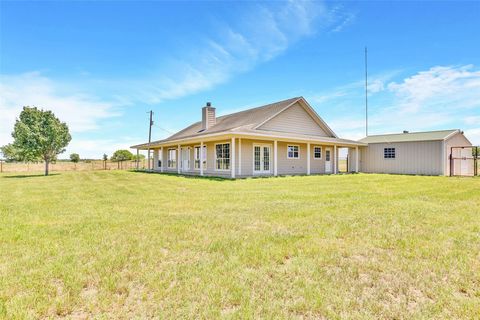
x=149, y=137
x=366, y=94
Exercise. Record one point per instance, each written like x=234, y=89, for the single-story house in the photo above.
x=422, y=153
x=289, y=138
x=282, y=138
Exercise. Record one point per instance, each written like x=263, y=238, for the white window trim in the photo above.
x=321, y=152
x=230, y=158
x=168, y=158
x=293, y=145
x=253, y=158
x=198, y=146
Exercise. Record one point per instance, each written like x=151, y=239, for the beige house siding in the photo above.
x=317, y=166
x=421, y=157
x=244, y=159
x=294, y=120
x=351, y=159
x=458, y=140
x=292, y=166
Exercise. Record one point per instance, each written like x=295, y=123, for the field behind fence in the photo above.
x=70, y=166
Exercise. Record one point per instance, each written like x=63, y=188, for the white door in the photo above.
x=185, y=159
x=328, y=161
x=262, y=159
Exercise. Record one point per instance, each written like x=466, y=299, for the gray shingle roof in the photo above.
x=409, y=137
x=250, y=118
x=244, y=122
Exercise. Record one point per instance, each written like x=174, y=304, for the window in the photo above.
x=197, y=157
x=389, y=153
x=222, y=156
x=172, y=158
x=257, y=158
x=317, y=152
x=293, y=152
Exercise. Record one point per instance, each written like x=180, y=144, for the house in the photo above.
x=282, y=138
x=423, y=153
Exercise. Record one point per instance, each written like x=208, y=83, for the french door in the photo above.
x=186, y=159
x=262, y=159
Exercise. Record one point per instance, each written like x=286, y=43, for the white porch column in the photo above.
x=161, y=159
x=232, y=158
x=155, y=159
x=239, y=156
x=179, y=158
x=201, y=158
x=334, y=159
x=357, y=155
x=275, y=158
x=308, y=158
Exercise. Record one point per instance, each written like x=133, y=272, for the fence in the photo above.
x=70, y=166
x=465, y=161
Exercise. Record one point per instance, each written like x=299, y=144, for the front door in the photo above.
x=261, y=159
x=186, y=159
x=328, y=162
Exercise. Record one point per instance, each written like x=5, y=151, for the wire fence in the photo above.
x=88, y=165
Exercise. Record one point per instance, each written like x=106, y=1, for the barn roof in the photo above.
x=410, y=136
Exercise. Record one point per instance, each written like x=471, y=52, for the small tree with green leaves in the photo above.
x=140, y=157
x=105, y=157
x=122, y=155
x=10, y=153
x=38, y=134
x=75, y=157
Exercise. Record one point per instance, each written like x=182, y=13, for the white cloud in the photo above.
x=442, y=97
x=80, y=111
x=258, y=36
x=473, y=135
x=472, y=120
x=376, y=84
x=439, y=87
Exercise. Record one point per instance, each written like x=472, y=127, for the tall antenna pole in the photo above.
x=366, y=94
x=149, y=137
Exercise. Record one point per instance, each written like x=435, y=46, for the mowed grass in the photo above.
x=135, y=245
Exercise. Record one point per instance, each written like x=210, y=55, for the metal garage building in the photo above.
x=422, y=153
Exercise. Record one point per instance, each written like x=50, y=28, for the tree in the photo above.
x=74, y=157
x=10, y=153
x=122, y=155
x=139, y=158
x=105, y=157
x=38, y=134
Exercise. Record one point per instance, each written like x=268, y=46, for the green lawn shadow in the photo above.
x=187, y=176
x=21, y=176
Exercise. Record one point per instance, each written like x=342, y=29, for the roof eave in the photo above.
x=195, y=139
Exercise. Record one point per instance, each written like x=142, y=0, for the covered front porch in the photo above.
x=236, y=156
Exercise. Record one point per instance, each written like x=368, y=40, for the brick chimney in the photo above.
x=208, y=116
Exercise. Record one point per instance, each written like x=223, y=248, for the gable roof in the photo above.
x=245, y=121
x=410, y=137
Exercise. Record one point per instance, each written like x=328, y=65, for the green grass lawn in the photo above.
x=135, y=245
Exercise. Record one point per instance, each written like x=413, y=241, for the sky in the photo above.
x=102, y=66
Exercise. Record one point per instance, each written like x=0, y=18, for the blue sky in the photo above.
x=101, y=66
